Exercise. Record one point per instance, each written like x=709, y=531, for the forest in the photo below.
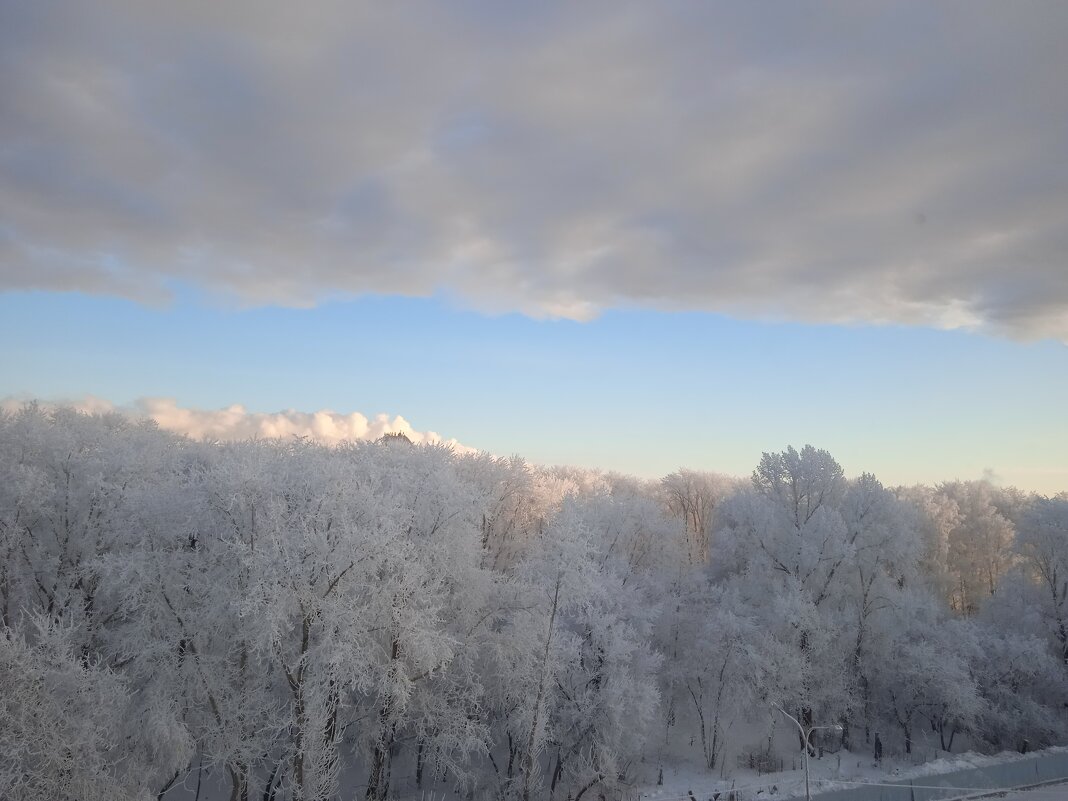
x=278, y=619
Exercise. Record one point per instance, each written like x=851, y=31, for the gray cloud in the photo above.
x=826, y=162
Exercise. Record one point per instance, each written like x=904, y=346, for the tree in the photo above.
x=924, y=673
x=1042, y=545
x=63, y=722
x=937, y=515
x=692, y=497
x=980, y=545
x=725, y=664
x=1022, y=685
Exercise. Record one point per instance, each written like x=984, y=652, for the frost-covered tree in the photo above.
x=580, y=678
x=279, y=619
x=923, y=675
x=980, y=544
x=1022, y=685
x=726, y=664
x=834, y=559
x=65, y=723
x=692, y=496
x=786, y=540
x=512, y=503
x=937, y=515
x=1042, y=545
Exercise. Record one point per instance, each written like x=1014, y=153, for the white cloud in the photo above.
x=873, y=162
x=237, y=423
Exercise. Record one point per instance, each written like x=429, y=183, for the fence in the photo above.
x=1023, y=772
x=1039, y=768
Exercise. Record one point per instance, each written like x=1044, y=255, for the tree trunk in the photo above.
x=530, y=757
x=419, y=763
x=238, y=786
x=381, y=759
x=296, y=684
x=269, y=788
x=512, y=751
x=558, y=771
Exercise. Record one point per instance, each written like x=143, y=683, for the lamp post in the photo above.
x=804, y=736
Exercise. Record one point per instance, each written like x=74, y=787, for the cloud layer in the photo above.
x=236, y=423
x=827, y=162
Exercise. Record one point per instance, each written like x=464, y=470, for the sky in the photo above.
x=621, y=235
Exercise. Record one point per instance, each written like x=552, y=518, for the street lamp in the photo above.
x=804, y=736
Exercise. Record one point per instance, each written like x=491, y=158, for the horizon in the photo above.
x=328, y=428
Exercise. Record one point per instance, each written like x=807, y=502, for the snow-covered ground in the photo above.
x=832, y=772
x=1051, y=792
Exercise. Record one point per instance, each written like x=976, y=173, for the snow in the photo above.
x=832, y=772
x=1050, y=792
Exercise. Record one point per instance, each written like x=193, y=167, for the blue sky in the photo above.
x=616, y=234
x=637, y=391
